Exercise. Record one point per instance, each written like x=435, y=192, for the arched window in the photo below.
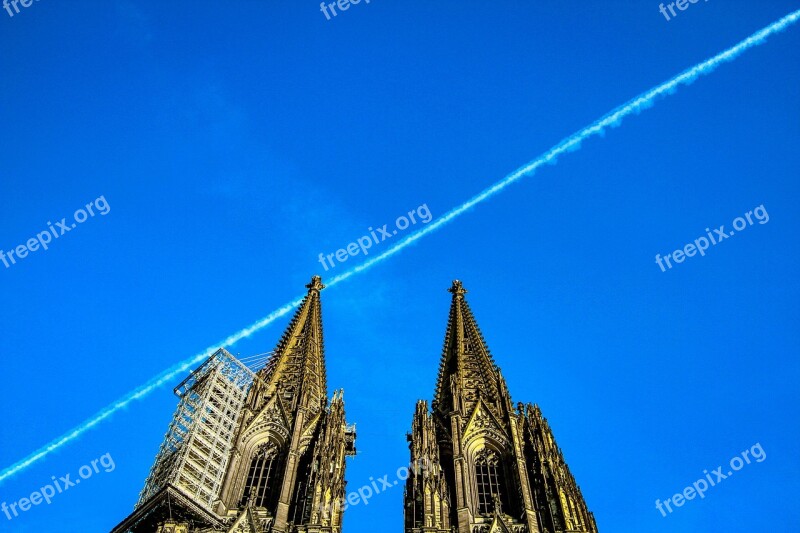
x=301, y=506
x=491, y=482
x=263, y=479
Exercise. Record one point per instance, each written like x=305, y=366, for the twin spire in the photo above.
x=296, y=370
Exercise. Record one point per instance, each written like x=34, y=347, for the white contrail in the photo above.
x=163, y=378
x=571, y=143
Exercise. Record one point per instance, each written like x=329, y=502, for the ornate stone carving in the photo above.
x=472, y=406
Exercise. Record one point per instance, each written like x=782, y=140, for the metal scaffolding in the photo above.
x=196, y=448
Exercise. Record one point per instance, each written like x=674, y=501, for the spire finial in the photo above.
x=457, y=289
x=316, y=284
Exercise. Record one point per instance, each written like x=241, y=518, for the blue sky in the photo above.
x=233, y=143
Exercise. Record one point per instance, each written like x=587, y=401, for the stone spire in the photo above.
x=487, y=467
x=467, y=371
x=296, y=369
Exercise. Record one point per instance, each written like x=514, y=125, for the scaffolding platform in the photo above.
x=198, y=443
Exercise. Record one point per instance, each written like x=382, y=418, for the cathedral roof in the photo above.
x=467, y=368
x=296, y=369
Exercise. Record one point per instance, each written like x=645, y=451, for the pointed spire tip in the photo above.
x=457, y=289
x=316, y=284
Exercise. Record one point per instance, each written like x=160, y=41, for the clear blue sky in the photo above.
x=236, y=141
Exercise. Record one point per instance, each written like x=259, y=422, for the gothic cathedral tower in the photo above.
x=252, y=452
x=489, y=468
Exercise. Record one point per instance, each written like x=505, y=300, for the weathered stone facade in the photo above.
x=492, y=467
x=284, y=472
x=265, y=452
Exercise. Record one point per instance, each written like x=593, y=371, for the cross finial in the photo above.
x=316, y=284
x=457, y=289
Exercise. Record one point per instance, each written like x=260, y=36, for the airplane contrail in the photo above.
x=571, y=143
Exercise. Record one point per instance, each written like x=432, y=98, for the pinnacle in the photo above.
x=457, y=289
x=316, y=284
x=297, y=365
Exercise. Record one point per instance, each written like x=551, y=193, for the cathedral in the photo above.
x=490, y=467
x=253, y=452
x=264, y=450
